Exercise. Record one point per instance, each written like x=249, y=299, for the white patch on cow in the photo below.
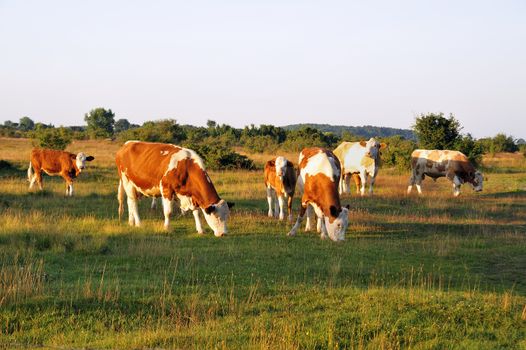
x=185, y=202
x=163, y=153
x=182, y=154
x=320, y=163
x=336, y=229
x=217, y=218
x=280, y=167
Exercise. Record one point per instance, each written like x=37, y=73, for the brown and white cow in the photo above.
x=280, y=181
x=319, y=176
x=359, y=158
x=439, y=163
x=171, y=172
x=54, y=162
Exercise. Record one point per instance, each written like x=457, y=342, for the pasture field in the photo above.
x=430, y=272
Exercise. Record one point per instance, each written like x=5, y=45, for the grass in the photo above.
x=415, y=272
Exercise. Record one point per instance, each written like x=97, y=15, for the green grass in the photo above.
x=414, y=272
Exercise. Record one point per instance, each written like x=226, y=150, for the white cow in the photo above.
x=362, y=158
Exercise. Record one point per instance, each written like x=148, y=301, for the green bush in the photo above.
x=220, y=157
x=398, y=152
x=54, y=138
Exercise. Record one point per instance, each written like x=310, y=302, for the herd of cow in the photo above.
x=172, y=172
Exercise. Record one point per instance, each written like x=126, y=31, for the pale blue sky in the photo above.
x=275, y=62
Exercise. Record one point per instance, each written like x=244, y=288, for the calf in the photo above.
x=361, y=158
x=439, y=163
x=319, y=175
x=171, y=172
x=280, y=181
x=54, y=162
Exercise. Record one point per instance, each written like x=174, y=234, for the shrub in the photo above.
x=398, y=152
x=54, y=138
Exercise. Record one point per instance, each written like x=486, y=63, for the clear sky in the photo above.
x=275, y=62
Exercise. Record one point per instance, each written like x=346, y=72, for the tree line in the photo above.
x=216, y=142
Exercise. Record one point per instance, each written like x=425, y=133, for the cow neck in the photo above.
x=200, y=187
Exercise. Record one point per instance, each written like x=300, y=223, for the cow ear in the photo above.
x=90, y=158
x=230, y=204
x=383, y=145
x=210, y=209
x=73, y=156
x=363, y=143
x=334, y=212
x=348, y=206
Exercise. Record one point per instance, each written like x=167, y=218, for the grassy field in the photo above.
x=428, y=272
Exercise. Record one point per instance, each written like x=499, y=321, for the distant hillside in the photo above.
x=365, y=131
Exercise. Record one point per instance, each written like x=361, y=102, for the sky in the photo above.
x=379, y=63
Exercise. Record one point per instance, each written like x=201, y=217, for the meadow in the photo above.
x=429, y=272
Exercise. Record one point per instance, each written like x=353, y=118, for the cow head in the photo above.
x=372, y=147
x=336, y=229
x=477, y=180
x=81, y=159
x=281, y=166
x=216, y=216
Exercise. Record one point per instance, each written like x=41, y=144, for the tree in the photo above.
x=121, y=125
x=26, y=124
x=503, y=143
x=471, y=148
x=100, y=122
x=434, y=131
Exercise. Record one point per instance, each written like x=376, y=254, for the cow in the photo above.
x=439, y=163
x=280, y=181
x=170, y=172
x=55, y=162
x=359, y=160
x=319, y=176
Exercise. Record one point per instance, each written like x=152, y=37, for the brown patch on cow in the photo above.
x=188, y=179
x=144, y=163
x=367, y=162
x=319, y=189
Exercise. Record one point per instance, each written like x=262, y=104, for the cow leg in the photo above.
x=289, y=207
x=319, y=225
x=411, y=183
x=363, y=179
x=322, y=228
x=276, y=203
x=373, y=178
x=344, y=183
x=456, y=186
x=198, y=225
x=269, y=200
x=357, y=182
x=154, y=203
x=38, y=179
x=167, y=210
x=32, y=180
x=309, y=214
x=69, y=189
x=281, y=201
x=133, y=210
x=298, y=221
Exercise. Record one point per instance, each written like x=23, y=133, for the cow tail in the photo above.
x=120, y=197
x=30, y=172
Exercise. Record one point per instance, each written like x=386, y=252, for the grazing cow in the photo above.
x=280, y=181
x=319, y=175
x=54, y=162
x=437, y=163
x=359, y=160
x=169, y=171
